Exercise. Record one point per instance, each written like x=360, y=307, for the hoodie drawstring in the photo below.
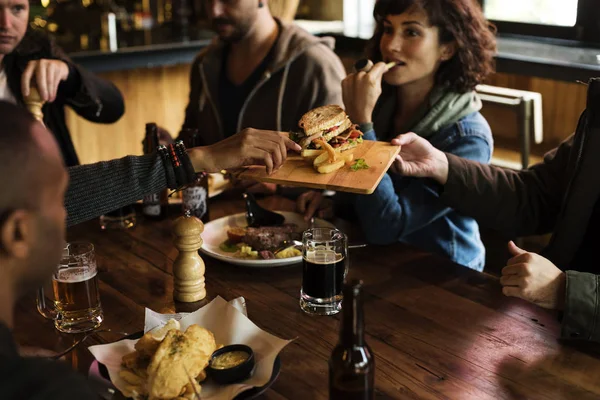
x=281, y=93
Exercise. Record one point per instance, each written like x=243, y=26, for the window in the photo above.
x=543, y=12
x=562, y=19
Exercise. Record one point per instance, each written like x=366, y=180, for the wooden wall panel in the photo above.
x=151, y=95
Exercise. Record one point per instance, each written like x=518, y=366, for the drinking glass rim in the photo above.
x=333, y=231
x=89, y=249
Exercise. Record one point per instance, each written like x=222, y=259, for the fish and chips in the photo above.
x=164, y=360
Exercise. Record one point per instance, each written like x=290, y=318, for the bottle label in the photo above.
x=152, y=205
x=194, y=200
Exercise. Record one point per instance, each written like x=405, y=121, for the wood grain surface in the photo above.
x=438, y=330
x=299, y=172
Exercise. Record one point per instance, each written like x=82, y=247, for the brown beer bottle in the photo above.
x=195, y=197
x=352, y=365
x=154, y=206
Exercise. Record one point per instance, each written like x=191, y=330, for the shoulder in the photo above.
x=44, y=379
x=311, y=52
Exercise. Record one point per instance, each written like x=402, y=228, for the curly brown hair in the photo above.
x=459, y=21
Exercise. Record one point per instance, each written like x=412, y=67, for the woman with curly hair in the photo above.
x=442, y=50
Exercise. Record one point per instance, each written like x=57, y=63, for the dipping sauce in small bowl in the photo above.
x=233, y=363
x=229, y=359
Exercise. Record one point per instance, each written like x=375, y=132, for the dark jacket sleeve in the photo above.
x=95, y=189
x=94, y=98
x=581, y=318
x=514, y=202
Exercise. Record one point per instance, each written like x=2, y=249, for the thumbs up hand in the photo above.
x=532, y=277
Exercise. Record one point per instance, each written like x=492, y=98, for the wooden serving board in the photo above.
x=296, y=171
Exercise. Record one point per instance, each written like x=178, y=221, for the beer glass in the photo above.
x=123, y=218
x=324, y=268
x=75, y=285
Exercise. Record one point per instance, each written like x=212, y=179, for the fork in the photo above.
x=83, y=339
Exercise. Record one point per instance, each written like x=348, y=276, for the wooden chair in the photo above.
x=515, y=117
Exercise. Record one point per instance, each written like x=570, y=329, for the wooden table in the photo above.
x=438, y=331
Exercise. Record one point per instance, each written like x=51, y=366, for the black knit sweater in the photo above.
x=99, y=188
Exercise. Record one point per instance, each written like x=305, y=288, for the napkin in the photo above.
x=230, y=325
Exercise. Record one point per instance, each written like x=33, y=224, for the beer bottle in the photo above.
x=195, y=197
x=351, y=365
x=154, y=206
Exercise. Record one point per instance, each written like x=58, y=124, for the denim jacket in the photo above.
x=409, y=209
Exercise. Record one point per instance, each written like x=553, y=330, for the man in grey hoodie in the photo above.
x=260, y=73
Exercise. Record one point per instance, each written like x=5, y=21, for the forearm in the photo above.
x=515, y=202
x=90, y=96
x=96, y=189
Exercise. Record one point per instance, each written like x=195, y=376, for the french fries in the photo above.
x=321, y=159
x=310, y=154
x=330, y=150
x=327, y=168
x=325, y=163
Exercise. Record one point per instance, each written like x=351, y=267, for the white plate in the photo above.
x=215, y=233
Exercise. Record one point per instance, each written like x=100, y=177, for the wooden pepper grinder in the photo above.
x=34, y=103
x=188, y=267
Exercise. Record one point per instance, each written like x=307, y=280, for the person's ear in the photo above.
x=16, y=234
x=448, y=50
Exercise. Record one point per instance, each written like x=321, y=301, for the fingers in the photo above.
x=41, y=76
x=268, y=162
x=398, y=166
x=313, y=206
x=54, y=77
x=290, y=144
x=516, y=269
x=302, y=201
x=514, y=249
x=405, y=139
x=26, y=77
x=377, y=72
x=511, y=291
x=511, y=280
x=273, y=150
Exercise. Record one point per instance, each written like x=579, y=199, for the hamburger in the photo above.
x=329, y=124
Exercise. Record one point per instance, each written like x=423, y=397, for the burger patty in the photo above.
x=270, y=237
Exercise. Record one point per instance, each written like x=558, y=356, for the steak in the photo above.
x=270, y=237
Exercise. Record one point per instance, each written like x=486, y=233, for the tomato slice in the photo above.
x=354, y=134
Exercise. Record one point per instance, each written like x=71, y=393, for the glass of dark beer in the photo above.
x=75, y=289
x=324, y=268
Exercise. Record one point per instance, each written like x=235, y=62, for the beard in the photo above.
x=230, y=31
